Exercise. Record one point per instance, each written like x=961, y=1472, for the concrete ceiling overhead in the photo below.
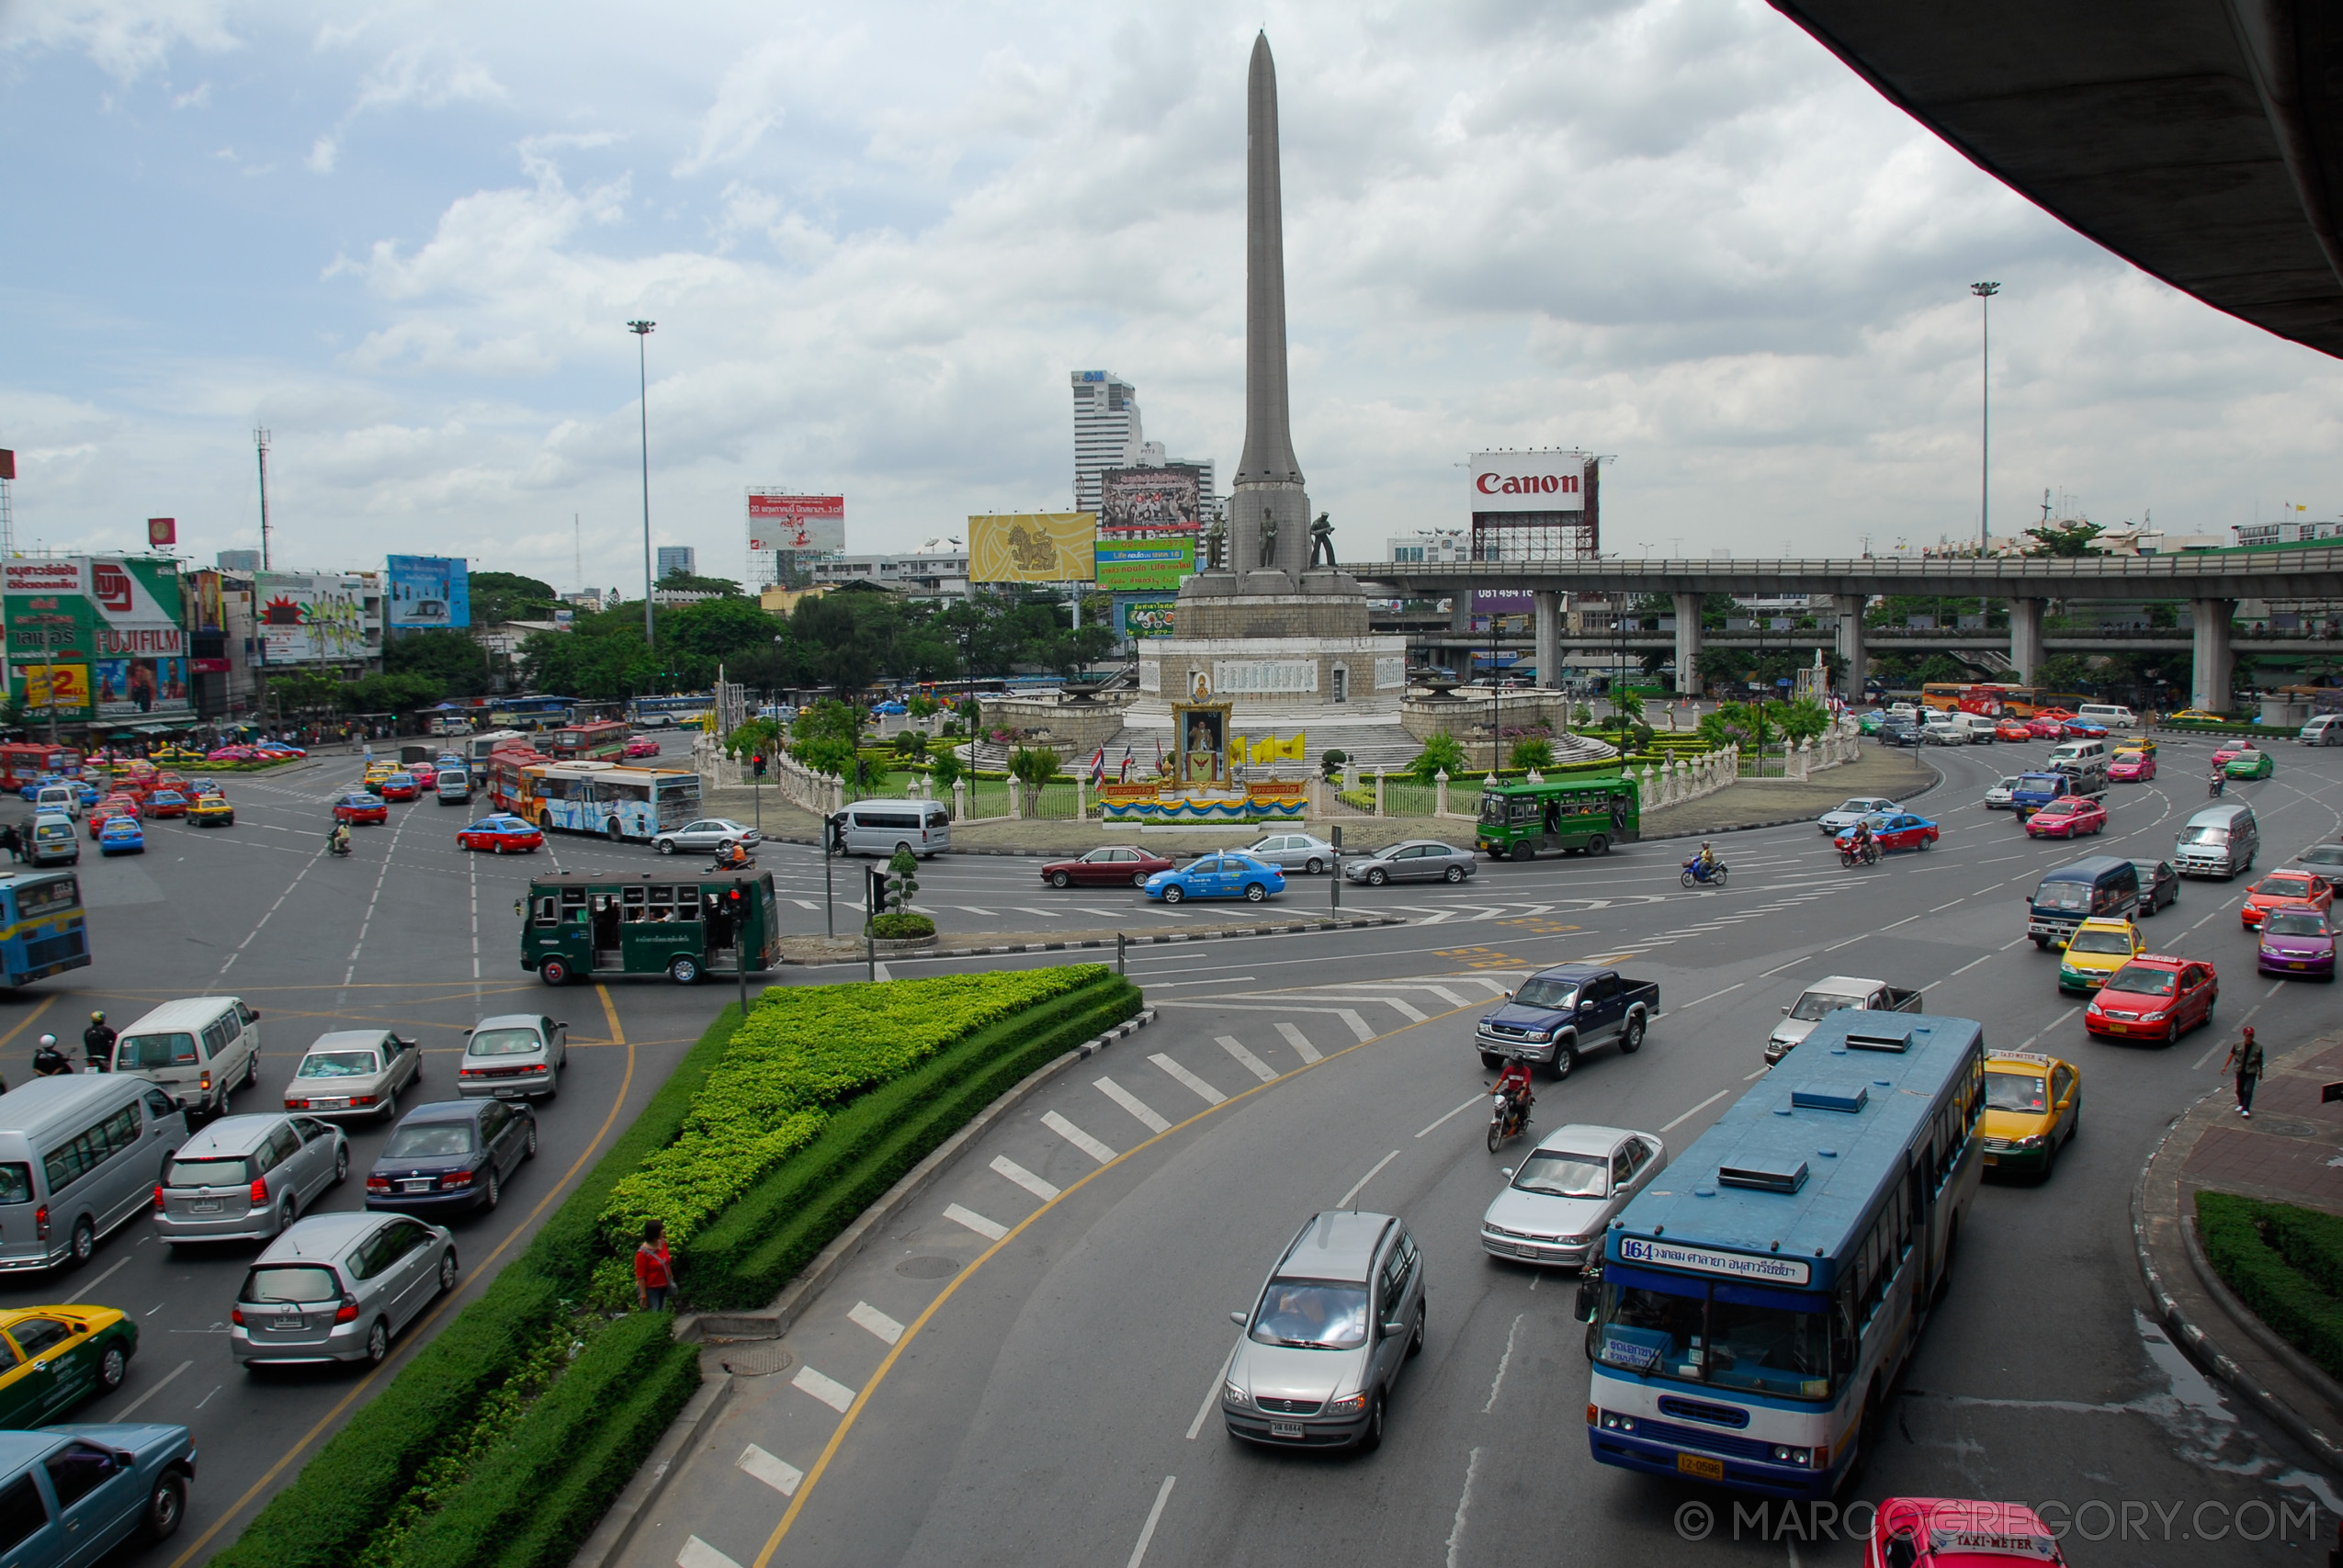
x=2200, y=140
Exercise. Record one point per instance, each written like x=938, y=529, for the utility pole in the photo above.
x=260, y=445
x=642, y=377
x=1985, y=293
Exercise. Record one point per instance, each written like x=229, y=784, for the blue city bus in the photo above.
x=1756, y=1303
x=43, y=929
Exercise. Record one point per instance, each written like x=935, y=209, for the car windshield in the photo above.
x=2139, y=980
x=1312, y=1315
x=2063, y=896
x=336, y=1064
x=2284, y=887
x=428, y=1138
x=2204, y=835
x=1565, y=1176
x=2015, y=1091
x=2322, y=854
x=291, y=1282
x=1822, y=1004
x=134, y=1052
x=2100, y=942
x=217, y=1171
x=2297, y=922
x=2040, y=780
x=502, y=1042
x=1547, y=993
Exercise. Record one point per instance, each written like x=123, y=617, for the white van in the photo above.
x=452, y=786
x=2115, y=715
x=882, y=827
x=2085, y=761
x=2220, y=841
x=2324, y=729
x=63, y=799
x=199, y=1049
x=79, y=1155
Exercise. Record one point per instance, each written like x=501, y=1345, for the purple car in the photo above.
x=2296, y=940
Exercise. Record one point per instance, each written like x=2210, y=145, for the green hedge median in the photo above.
x=2283, y=1262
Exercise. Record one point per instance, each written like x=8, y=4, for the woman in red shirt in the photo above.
x=654, y=1269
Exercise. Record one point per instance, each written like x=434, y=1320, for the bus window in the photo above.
x=686, y=902
x=630, y=903
x=545, y=908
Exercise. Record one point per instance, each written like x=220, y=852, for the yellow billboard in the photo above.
x=1033, y=546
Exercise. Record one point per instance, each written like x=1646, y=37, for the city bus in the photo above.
x=600, y=798
x=1564, y=815
x=602, y=740
x=1994, y=700
x=476, y=749
x=586, y=925
x=501, y=775
x=655, y=713
x=22, y=763
x=530, y=713
x=43, y=929
x=1749, y=1315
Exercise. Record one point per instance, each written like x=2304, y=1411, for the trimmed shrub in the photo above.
x=901, y=927
x=2294, y=1307
x=2311, y=1242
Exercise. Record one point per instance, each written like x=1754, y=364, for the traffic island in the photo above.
x=817, y=949
x=2285, y=1155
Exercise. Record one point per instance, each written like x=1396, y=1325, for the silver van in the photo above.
x=2085, y=761
x=2220, y=841
x=61, y=798
x=80, y=1154
x=248, y=1177
x=51, y=841
x=198, y=1049
x=1325, y=1341
x=452, y=786
x=2324, y=729
x=882, y=827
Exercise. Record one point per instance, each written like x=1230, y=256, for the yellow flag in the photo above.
x=1293, y=749
x=1262, y=751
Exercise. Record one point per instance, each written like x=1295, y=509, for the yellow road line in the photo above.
x=610, y=1012
x=25, y=1023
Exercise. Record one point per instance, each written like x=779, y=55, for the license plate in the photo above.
x=1993, y=1160
x=1706, y=1469
x=422, y=1185
x=1285, y=1429
x=204, y=1206
x=2296, y=963
x=329, y=1105
x=506, y=1093
x=1524, y=1250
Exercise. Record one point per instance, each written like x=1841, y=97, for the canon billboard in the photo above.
x=1529, y=481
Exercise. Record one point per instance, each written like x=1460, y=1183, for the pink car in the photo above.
x=2232, y=749
x=2132, y=767
x=642, y=746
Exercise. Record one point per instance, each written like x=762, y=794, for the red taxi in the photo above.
x=2012, y=729
x=1954, y=1533
x=2230, y=750
x=397, y=787
x=2155, y=996
x=2298, y=887
x=641, y=746
x=424, y=774
x=502, y=834
x=2068, y=816
x=112, y=806
x=361, y=808
x=2046, y=723
x=2132, y=767
x=165, y=803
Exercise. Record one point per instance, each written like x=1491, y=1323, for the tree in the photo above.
x=902, y=881
x=391, y=693
x=454, y=659
x=944, y=771
x=2064, y=539
x=682, y=581
x=1442, y=752
x=1624, y=702
x=1804, y=719
x=758, y=737
x=1532, y=751
x=498, y=597
x=305, y=691
x=1033, y=767
x=825, y=736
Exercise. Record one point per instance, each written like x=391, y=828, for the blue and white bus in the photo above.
x=605, y=799
x=43, y=930
x=660, y=713
x=1756, y=1303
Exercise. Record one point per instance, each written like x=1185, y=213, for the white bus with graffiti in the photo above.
x=605, y=799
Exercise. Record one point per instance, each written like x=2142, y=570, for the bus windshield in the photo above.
x=1732, y=1341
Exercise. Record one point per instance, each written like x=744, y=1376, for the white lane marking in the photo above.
x=1792, y=965
x=1251, y=1063
x=131, y=1408
x=1714, y=995
x=1755, y=1076
x=1350, y=1016
x=1212, y=1395
x=2211, y=1050
x=830, y=1392
x=2048, y=1027
x=992, y=1230
x=781, y=1476
x=1294, y=1038
x=1023, y=1177
x=1966, y=968
x=1848, y=942
x=1502, y=1363
x=1465, y=1500
x=865, y=1315
x=90, y=1289
x=2019, y=942
x=1134, y=1104
x=1344, y=1202
x=1202, y=1090
x=1147, y=1532
x=805, y=903
x=1476, y=1099
x=1216, y=980
x=1029, y=909
x=1905, y=921
x=697, y=1553
x=879, y=972
x=1696, y=1110
x=1077, y=1137
x=1941, y=908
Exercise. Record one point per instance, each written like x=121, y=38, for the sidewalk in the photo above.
x=2290, y=1152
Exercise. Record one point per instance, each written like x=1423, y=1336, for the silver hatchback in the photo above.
x=247, y=1177
x=337, y=1287
x=1417, y=859
x=1338, y=1316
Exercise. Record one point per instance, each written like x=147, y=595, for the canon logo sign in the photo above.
x=1526, y=484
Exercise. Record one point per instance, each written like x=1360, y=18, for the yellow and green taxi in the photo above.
x=211, y=811
x=2098, y=948
x=2032, y=1104
x=60, y=1356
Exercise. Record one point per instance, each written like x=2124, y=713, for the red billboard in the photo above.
x=161, y=532
x=807, y=524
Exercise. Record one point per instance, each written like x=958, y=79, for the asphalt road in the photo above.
x=1024, y=1369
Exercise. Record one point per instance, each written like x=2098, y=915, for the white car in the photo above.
x=1998, y=798
x=1850, y=812
x=1942, y=729
x=1555, y=1204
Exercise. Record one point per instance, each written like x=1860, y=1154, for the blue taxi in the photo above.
x=122, y=836
x=1228, y=874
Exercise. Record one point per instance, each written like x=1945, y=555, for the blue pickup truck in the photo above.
x=1562, y=1012
x=2034, y=791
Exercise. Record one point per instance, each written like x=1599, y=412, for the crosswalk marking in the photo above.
x=971, y=908
x=1023, y=1177
x=802, y=904
x=1046, y=914
x=1204, y=1091
x=830, y=1391
x=1077, y=1137
x=1295, y=1038
x=1252, y=1064
x=989, y=1229
x=1132, y=1103
x=781, y=1476
x=697, y=1553
x=865, y=1315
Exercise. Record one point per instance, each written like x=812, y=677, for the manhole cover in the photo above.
x=757, y=1359
x=928, y=1268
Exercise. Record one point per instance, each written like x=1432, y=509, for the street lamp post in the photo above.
x=643, y=379
x=1985, y=293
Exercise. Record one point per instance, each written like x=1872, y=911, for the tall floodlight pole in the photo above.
x=260, y=446
x=1985, y=293
x=642, y=375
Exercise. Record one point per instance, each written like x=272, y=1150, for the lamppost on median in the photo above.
x=1985, y=293
x=643, y=378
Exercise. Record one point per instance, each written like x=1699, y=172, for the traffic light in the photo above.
x=756, y=761
x=833, y=834
x=875, y=893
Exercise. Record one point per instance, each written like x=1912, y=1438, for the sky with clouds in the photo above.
x=875, y=237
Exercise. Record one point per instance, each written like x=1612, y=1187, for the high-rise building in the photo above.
x=1106, y=432
x=673, y=559
x=238, y=560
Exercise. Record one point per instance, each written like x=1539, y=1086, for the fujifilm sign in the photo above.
x=1529, y=481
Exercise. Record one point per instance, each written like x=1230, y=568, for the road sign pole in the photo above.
x=828, y=904
x=1334, y=878
x=740, y=945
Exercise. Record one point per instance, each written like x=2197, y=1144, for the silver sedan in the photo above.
x=1294, y=851
x=354, y=1072
x=1417, y=859
x=707, y=833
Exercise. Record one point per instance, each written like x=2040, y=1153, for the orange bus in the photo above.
x=1994, y=700
x=506, y=789
x=22, y=763
x=601, y=741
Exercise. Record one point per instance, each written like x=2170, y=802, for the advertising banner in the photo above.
x=66, y=685
x=1529, y=481
x=1033, y=546
x=1164, y=497
x=109, y=629
x=1144, y=564
x=139, y=688
x=206, y=602
x=811, y=525
x=305, y=618
x=427, y=591
x=1143, y=617
x=1503, y=602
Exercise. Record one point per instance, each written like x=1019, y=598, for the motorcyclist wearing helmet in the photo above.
x=98, y=1043
x=49, y=1061
x=1513, y=1087
x=1706, y=859
x=1864, y=840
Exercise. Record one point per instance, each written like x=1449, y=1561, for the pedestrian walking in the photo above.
x=13, y=841
x=654, y=1269
x=2246, y=1061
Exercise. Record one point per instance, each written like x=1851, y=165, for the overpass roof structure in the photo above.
x=2202, y=141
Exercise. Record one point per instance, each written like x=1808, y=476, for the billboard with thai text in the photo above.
x=97, y=636
x=1143, y=617
x=803, y=525
x=1142, y=564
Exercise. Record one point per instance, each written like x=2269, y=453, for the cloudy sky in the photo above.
x=407, y=237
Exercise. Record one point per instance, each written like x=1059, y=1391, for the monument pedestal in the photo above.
x=1284, y=661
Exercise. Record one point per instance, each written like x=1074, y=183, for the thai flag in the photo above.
x=1159, y=753
x=1124, y=775
x=1098, y=767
